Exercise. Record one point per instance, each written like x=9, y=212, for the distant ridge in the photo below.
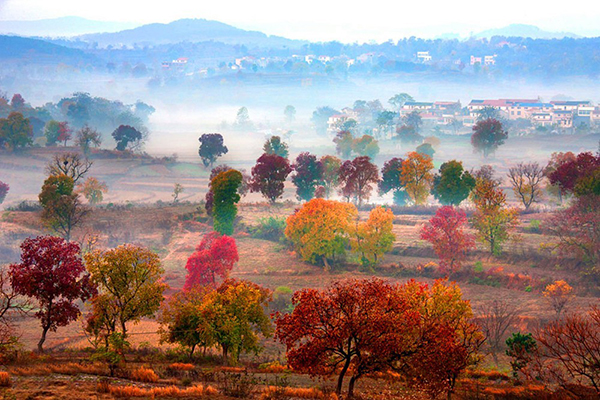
x=525, y=31
x=189, y=30
x=20, y=49
x=61, y=27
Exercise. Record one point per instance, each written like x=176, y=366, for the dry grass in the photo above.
x=272, y=392
x=181, y=367
x=143, y=374
x=273, y=368
x=490, y=375
x=237, y=370
x=4, y=379
x=167, y=391
x=64, y=369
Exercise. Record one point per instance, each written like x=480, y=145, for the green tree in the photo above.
x=234, y=316
x=521, y=348
x=225, y=188
x=15, y=132
x=86, y=138
x=62, y=209
x=398, y=100
x=413, y=119
x=426, y=149
x=453, y=184
x=129, y=278
x=274, y=145
x=366, y=146
x=344, y=144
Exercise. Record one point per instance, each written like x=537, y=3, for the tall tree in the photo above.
x=416, y=176
x=331, y=171
x=493, y=220
x=62, y=209
x=569, y=173
x=526, y=180
x=308, y=175
x=274, y=145
x=129, y=278
x=52, y=274
x=214, y=257
x=496, y=317
x=269, y=175
x=414, y=120
x=225, y=188
x=211, y=148
x=349, y=327
x=488, y=135
x=86, y=138
x=320, y=117
x=357, y=177
x=453, y=184
x=390, y=181
x=556, y=160
x=446, y=232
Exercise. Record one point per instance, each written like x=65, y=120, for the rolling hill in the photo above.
x=189, y=30
x=525, y=31
x=20, y=49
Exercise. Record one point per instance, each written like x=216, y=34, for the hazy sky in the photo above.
x=347, y=21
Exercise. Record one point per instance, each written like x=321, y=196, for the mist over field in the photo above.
x=191, y=209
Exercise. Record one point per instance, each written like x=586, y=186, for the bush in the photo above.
x=4, y=379
x=26, y=206
x=143, y=374
x=269, y=228
x=238, y=385
x=535, y=226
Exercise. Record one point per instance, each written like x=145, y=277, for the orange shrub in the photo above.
x=490, y=375
x=166, y=391
x=231, y=369
x=273, y=368
x=143, y=374
x=181, y=367
x=4, y=379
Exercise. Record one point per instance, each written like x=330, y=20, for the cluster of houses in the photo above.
x=560, y=114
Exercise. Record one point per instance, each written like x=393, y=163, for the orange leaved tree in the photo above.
x=319, y=230
x=374, y=237
x=416, y=176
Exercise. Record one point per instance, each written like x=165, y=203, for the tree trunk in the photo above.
x=40, y=345
x=225, y=356
x=351, y=386
x=192, y=351
x=338, y=389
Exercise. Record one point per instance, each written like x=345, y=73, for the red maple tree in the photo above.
x=52, y=273
x=214, y=257
x=445, y=231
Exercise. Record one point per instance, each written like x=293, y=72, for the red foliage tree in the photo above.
x=214, y=257
x=357, y=177
x=309, y=175
x=269, y=175
x=64, y=132
x=52, y=273
x=570, y=172
x=352, y=325
x=446, y=233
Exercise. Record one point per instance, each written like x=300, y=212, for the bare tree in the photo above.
x=495, y=318
x=526, y=179
x=570, y=351
x=70, y=164
x=10, y=304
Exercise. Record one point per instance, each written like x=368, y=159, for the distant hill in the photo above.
x=189, y=30
x=59, y=27
x=525, y=31
x=15, y=48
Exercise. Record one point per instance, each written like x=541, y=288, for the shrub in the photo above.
x=182, y=367
x=4, y=379
x=272, y=368
x=269, y=228
x=167, y=391
x=143, y=374
x=238, y=385
x=534, y=226
x=278, y=392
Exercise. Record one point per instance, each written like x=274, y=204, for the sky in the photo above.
x=322, y=20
